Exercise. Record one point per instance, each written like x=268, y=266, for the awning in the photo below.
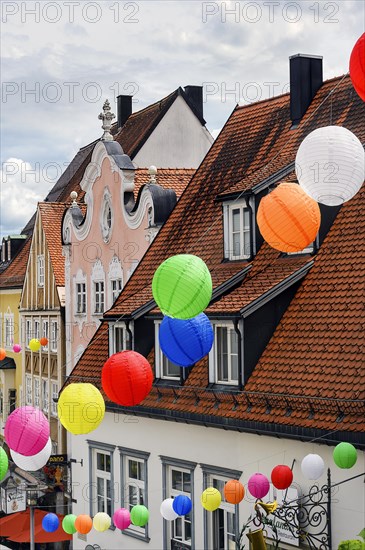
x=7, y=363
x=16, y=527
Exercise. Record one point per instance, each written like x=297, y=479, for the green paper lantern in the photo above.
x=182, y=286
x=139, y=515
x=68, y=524
x=4, y=463
x=345, y=455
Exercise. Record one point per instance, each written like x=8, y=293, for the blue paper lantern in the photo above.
x=50, y=523
x=182, y=505
x=186, y=341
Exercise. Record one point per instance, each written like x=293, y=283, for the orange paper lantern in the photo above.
x=288, y=218
x=2, y=354
x=83, y=524
x=44, y=341
x=234, y=491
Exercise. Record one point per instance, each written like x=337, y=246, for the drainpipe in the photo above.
x=130, y=335
x=240, y=369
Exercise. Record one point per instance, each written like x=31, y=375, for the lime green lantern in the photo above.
x=68, y=524
x=4, y=463
x=345, y=455
x=182, y=286
x=139, y=515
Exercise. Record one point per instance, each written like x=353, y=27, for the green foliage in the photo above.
x=351, y=545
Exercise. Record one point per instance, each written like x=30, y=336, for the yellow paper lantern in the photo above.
x=101, y=522
x=211, y=499
x=81, y=408
x=288, y=218
x=34, y=344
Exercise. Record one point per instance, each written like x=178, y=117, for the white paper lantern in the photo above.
x=35, y=462
x=167, y=511
x=312, y=466
x=330, y=165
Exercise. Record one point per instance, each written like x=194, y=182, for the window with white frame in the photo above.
x=237, y=228
x=45, y=332
x=99, y=297
x=40, y=270
x=223, y=358
x=164, y=367
x=134, y=478
x=28, y=332
x=28, y=389
x=102, y=477
x=178, y=479
x=8, y=330
x=54, y=386
x=115, y=276
x=54, y=335
x=36, y=329
x=81, y=298
x=116, y=287
x=221, y=526
x=98, y=287
x=120, y=339
x=45, y=395
x=36, y=391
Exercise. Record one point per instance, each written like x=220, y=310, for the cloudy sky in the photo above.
x=60, y=60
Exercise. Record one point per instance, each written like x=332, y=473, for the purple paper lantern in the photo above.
x=27, y=431
x=122, y=518
x=258, y=485
x=182, y=505
x=50, y=523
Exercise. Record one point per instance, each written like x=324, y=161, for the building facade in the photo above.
x=284, y=377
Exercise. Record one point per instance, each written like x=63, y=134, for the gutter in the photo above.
x=247, y=426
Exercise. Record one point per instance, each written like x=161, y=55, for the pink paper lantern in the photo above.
x=27, y=431
x=17, y=348
x=258, y=485
x=122, y=518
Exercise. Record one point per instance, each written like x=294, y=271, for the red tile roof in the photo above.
x=318, y=348
x=52, y=215
x=13, y=276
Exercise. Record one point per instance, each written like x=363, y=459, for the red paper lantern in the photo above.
x=282, y=476
x=127, y=378
x=357, y=66
x=43, y=341
x=83, y=524
x=234, y=491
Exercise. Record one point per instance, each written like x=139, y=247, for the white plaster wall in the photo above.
x=178, y=141
x=227, y=449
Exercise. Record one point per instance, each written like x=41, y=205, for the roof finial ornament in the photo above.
x=152, y=172
x=73, y=196
x=107, y=117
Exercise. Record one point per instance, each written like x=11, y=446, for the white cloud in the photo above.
x=21, y=190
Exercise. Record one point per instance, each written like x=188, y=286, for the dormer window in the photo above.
x=164, y=367
x=237, y=231
x=223, y=357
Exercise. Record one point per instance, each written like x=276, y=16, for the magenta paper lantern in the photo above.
x=122, y=518
x=27, y=431
x=258, y=485
x=17, y=348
